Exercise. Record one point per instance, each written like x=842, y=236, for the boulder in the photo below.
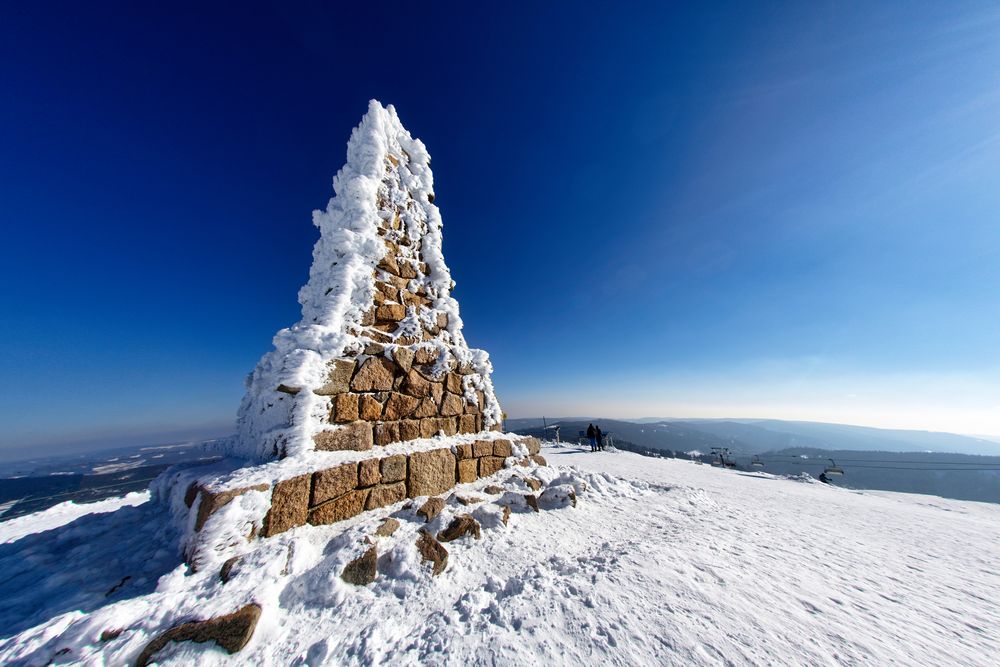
x=388, y=527
x=431, y=472
x=539, y=459
x=355, y=436
x=369, y=472
x=482, y=448
x=289, y=505
x=560, y=495
x=338, y=509
x=506, y=514
x=338, y=378
x=463, y=452
x=375, y=374
x=533, y=445
x=191, y=493
x=394, y=468
x=333, y=482
x=531, y=501
x=227, y=569
x=386, y=494
x=430, y=509
x=460, y=526
x=493, y=489
x=362, y=570
x=432, y=551
x=231, y=632
x=489, y=465
x=468, y=500
x=111, y=634
x=533, y=484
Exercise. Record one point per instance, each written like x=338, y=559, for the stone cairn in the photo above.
x=372, y=398
x=378, y=361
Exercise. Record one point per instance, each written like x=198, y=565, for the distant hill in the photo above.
x=945, y=464
x=673, y=436
x=754, y=436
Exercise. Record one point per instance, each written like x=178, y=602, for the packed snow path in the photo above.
x=661, y=562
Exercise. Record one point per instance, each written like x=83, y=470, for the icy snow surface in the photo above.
x=61, y=514
x=661, y=562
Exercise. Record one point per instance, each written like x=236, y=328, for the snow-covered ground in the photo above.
x=661, y=562
x=14, y=529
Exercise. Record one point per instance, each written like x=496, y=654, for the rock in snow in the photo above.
x=231, y=632
x=432, y=551
x=361, y=571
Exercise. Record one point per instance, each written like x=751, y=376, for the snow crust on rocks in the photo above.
x=661, y=562
x=341, y=288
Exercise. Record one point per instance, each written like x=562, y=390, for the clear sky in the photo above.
x=781, y=211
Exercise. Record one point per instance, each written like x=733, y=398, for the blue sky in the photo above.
x=787, y=211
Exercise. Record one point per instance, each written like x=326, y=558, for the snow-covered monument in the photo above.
x=374, y=396
x=378, y=356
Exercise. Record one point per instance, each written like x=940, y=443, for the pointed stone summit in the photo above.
x=374, y=397
x=378, y=356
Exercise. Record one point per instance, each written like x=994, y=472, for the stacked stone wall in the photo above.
x=405, y=378
x=343, y=491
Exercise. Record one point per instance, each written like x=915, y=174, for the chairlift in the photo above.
x=833, y=469
x=756, y=462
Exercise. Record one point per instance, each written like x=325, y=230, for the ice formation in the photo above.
x=378, y=287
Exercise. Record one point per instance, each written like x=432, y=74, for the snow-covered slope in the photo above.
x=660, y=562
x=14, y=529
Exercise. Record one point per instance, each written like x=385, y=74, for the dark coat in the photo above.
x=590, y=431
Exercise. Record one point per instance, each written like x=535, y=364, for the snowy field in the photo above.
x=661, y=562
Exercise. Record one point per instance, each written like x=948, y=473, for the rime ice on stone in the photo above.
x=378, y=356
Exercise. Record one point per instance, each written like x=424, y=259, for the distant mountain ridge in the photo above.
x=755, y=436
